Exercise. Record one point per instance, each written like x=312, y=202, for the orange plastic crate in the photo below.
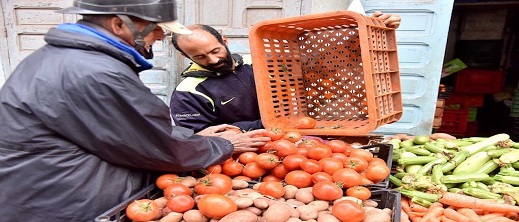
x=340, y=68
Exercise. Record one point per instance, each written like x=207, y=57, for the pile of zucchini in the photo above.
x=485, y=168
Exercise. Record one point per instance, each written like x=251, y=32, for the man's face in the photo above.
x=156, y=35
x=205, y=50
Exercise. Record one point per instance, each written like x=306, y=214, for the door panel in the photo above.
x=421, y=41
x=26, y=22
x=233, y=18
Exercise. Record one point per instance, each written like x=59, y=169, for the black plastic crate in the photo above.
x=118, y=212
x=383, y=151
x=387, y=198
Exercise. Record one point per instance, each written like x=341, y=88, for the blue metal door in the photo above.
x=421, y=40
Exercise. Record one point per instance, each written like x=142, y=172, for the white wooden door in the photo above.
x=421, y=40
x=24, y=24
x=233, y=18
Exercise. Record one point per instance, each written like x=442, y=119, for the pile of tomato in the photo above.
x=303, y=161
x=331, y=168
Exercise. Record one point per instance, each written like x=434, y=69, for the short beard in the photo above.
x=227, y=61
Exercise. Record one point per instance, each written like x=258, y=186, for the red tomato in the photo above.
x=368, y=156
x=326, y=190
x=292, y=136
x=213, y=169
x=267, y=160
x=214, y=183
x=338, y=146
x=247, y=157
x=165, y=180
x=365, y=181
x=270, y=178
x=356, y=163
x=293, y=161
x=330, y=165
x=377, y=172
x=180, y=203
x=280, y=171
x=266, y=148
x=302, y=151
x=299, y=178
x=310, y=166
x=319, y=152
x=143, y=210
x=274, y=133
x=232, y=168
x=348, y=177
x=305, y=122
x=176, y=189
x=216, y=206
x=377, y=160
x=272, y=188
x=360, y=192
x=340, y=156
x=308, y=143
x=284, y=148
x=321, y=176
x=347, y=210
x=253, y=170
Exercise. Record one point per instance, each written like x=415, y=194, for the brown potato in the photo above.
x=277, y=212
x=189, y=181
x=161, y=202
x=172, y=217
x=194, y=216
x=304, y=196
x=320, y=205
x=240, y=216
x=307, y=212
x=243, y=202
x=239, y=184
x=290, y=191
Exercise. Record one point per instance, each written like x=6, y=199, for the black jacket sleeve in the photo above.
x=116, y=117
x=249, y=125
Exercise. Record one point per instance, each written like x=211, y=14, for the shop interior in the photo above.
x=481, y=99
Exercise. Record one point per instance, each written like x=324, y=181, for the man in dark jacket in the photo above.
x=217, y=88
x=80, y=132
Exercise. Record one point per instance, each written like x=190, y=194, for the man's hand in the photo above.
x=244, y=142
x=391, y=21
x=212, y=130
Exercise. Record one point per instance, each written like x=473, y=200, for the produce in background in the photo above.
x=475, y=173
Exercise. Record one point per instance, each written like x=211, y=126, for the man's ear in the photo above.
x=224, y=38
x=117, y=25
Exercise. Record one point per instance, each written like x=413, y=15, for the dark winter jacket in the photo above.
x=80, y=132
x=205, y=98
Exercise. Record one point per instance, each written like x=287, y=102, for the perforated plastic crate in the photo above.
x=340, y=68
x=454, y=121
x=479, y=81
x=466, y=100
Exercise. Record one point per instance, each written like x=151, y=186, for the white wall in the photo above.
x=329, y=5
